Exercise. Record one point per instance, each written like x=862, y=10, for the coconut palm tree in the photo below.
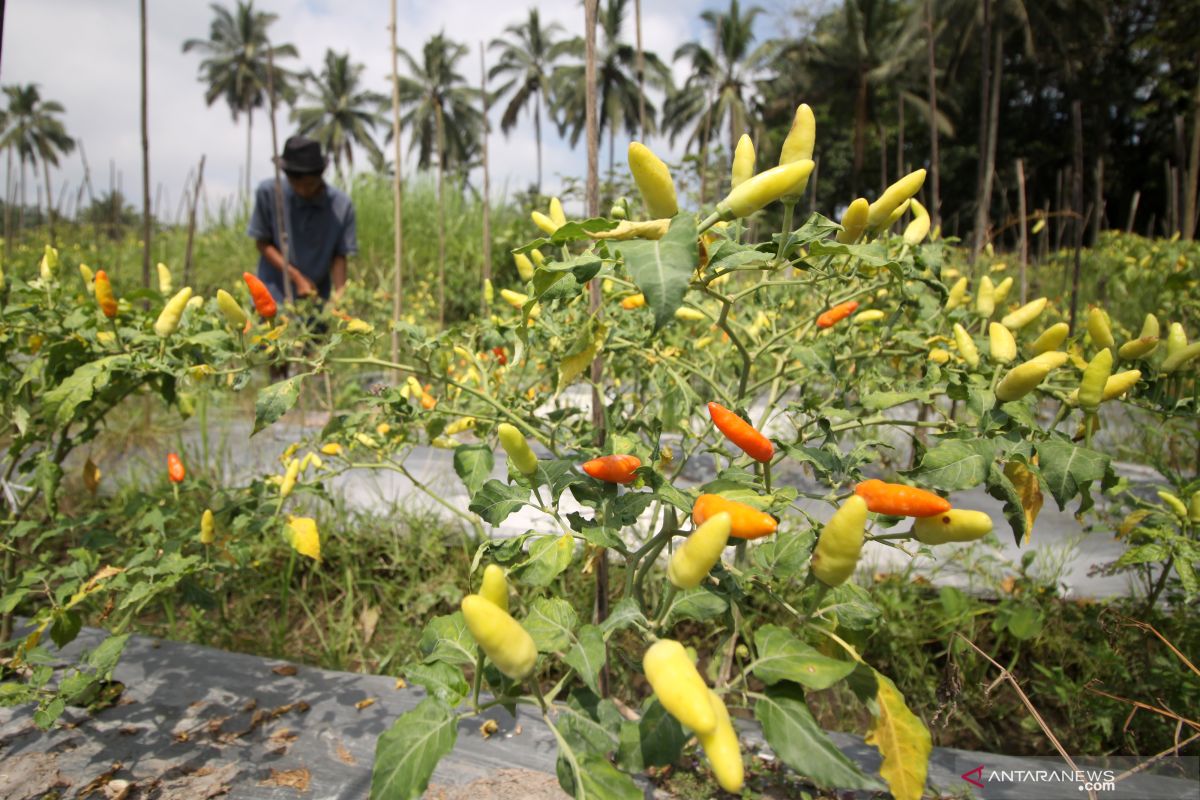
x=444, y=121
x=526, y=60
x=342, y=113
x=37, y=134
x=235, y=64
x=616, y=84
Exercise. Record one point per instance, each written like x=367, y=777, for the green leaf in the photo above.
x=441, y=680
x=879, y=401
x=80, y=386
x=446, y=638
x=473, y=464
x=957, y=464
x=551, y=622
x=624, y=614
x=663, y=268
x=589, y=724
x=1025, y=622
x=65, y=628
x=1002, y=489
x=700, y=604
x=496, y=500
x=800, y=743
x=653, y=741
x=783, y=657
x=407, y=753
x=602, y=781
x=274, y=401
x=587, y=656
x=548, y=556
x=874, y=254
x=103, y=659
x=783, y=555
x=1069, y=470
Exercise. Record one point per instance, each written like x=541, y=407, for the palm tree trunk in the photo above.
x=441, y=148
x=397, y=199
x=704, y=158
x=146, y=210
x=934, y=158
x=49, y=202
x=249, y=138
x=537, y=133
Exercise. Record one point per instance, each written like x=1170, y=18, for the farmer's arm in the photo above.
x=275, y=258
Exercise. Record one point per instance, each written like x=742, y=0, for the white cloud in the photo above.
x=91, y=65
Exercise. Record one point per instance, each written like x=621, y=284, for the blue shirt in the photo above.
x=318, y=230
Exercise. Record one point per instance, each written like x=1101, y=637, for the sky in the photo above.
x=85, y=54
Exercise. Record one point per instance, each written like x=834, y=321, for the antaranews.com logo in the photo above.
x=1048, y=778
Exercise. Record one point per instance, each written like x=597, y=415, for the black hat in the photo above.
x=302, y=155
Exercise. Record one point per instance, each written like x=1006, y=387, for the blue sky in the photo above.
x=84, y=54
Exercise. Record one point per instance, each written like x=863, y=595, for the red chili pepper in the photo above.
x=501, y=357
x=898, y=500
x=261, y=295
x=741, y=433
x=837, y=314
x=175, y=470
x=614, y=468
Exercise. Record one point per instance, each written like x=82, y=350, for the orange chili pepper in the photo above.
x=747, y=522
x=261, y=295
x=837, y=314
x=898, y=500
x=614, y=468
x=104, y=295
x=175, y=470
x=741, y=433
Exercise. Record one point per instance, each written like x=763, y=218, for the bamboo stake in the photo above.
x=187, y=255
x=146, y=210
x=280, y=218
x=487, y=211
x=1022, y=213
x=397, y=199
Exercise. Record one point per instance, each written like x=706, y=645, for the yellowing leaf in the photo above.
x=1132, y=521
x=583, y=351
x=1027, y=487
x=903, y=741
x=301, y=534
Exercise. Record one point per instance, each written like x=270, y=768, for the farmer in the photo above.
x=320, y=226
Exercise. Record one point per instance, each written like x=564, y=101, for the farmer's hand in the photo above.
x=302, y=286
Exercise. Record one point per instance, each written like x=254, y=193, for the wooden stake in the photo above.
x=487, y=211
x=280, y=210
x=146, y=210
x=397, y=199
x=1022, y=214
x=1133, y=207
x=191, y=231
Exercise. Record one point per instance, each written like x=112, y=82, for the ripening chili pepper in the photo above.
x=1114, y=387
x=801, y=137
x=168, y=319
x=1142, y=346
x=207, y=527
x=289, y=478
x=741, y=433
x=654, y=181
x=1051, y=338
x=918, y=229
x=1176, y=339
x=49, y=264
x=89, y=278
x=678, y=686
x=1095, y=376
x=892, y=197
x=164, y=278
x=91, y=476
x=898, y=500
x=743, y=162
x=231, y=309
x=692, y=561
x=502, y=639
x=557, y=215
x=1174, y=502
x=957, y=292
x=494, y=587
x=1183, y=355
x=646, y=229
x=1015, y=320
x=1002, y=347
x=175, y=469
x=616, y=468
x=985, y=298
x=746, y=521
x=722, y=749
x=854, y=221
x=501, y=356
x=955, y=525
x=836, y=314
x=524, y=266
x=966, y=346
x=1099, y=328
x=520, y=454
x=633, y=301
x=1000, y=293
x=840, y=544
x=763, y=189
x=1022, y=379
x=104, y=295
x=264, y=303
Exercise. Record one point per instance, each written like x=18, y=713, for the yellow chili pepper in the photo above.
x=1174, y=502
x=232, y=309
x=164, y=278
x=985, y=298
x=1180, y=357
x=840, y=543
x=289, y=478
x=524, y=266
x=1000, y=293
x=1095, y=376
x=692, y=561
x=1001, y=344
x=966, y=346
x=647, y=229
x=520, y=454
x=494, y=587
x=504, y=640
x=957, y=292
x=207, y=527
x=168, y=320
x=854, y=221
x=918, y=229
x=955, y=525
x=557, y=215
x=1099, y=328
x=654, y=180
x=1023, y=378
x=1051, y=338
x=764, y=188
x=678, y=686
x=892, y=197
x=868, y=316
x=1024, y=315
x=743, y=162
x=543, y=222
x=88, y=276
x=722, y=748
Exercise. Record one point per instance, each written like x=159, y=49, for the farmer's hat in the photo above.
x=302, y=156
